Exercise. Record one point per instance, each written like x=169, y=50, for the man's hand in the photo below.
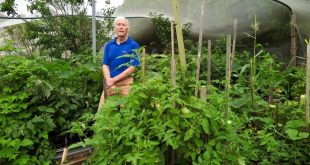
x=110, y=82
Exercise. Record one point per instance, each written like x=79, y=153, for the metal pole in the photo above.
x=94, y=28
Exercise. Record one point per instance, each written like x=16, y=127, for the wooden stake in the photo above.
x=176, y=11
x=143, y=60
x=228, y=69
x=209, y=62
x=234, y=43
x=64, y=155
x=199, y=47
x=293, y=40
x=173, y=65
x=203, y=93
x=252, y=87
x=308, y=89
x=228, y=61
x=270, y=95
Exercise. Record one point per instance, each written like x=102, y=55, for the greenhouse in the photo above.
x=175, y=82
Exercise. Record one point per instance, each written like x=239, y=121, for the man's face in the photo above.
x=121, y=28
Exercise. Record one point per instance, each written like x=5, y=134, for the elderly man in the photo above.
x=119, y=61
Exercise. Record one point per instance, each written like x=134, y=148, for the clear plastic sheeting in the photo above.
x=301, y=8
x=219, y=15
x=10, y=22
x=274, y=17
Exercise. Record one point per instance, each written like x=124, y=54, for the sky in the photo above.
x=22, y=6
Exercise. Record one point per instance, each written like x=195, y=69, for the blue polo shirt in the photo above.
x=112, y=56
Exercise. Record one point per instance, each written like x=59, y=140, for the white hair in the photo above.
x=120, y=18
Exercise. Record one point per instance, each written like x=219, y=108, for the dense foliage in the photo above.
x=43, y=104
x=50, y=103
x=165, y=124
x=46, y=103
x=162, y=30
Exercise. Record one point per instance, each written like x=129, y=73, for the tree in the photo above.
x=64, y=25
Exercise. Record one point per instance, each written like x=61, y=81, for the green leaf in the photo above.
x=205, y=126
x=26, y=142
x=303, y=135
x=295, y=123
x=14, y=143
x=189, y=133
x=46, y=109
x=176, y=120
x=241, y=161
x=295, y=135
x=212, y=142
x=23, y=160
x=143, y=95
x=89, y=67
x=30, y=125
x=43, y=135
x=38, y=119
x=47, y=89
x=172, y=125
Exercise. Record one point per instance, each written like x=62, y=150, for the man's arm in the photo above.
x=126, y=73
x=106, y=74
x=111, y=81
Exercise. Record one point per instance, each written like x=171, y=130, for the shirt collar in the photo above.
x=128, y=39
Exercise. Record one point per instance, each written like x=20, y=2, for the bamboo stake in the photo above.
x=252, y=80
x=209, y=65
x=64, y=156
x=228, y=69
x=308, y=88
x=209, y=62
x=203, y=93
x=176, y=11
x=228, y=61
x=293, y=40
x=173, y=65
x=199, y=47
x=234, y=42
x=143, y=60
x=270, y=95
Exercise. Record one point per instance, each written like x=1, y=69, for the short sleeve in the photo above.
x=136, y=60
x=105, y=55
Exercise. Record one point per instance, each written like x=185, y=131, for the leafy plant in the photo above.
x=64, y=27
x=292, y=129
x=149, y=128
x=41, y=104
x=162, y=30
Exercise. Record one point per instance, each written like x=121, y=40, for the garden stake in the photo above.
x=64, y=155
x=203, y=93
x=308, y=88
x=234, y=43
x=209, y=65
x=293, y=40
x=228, y=61
x=143, y=65
x=176, y=12
x=209, y=62
x=199, y=48
x=228, y=69
x=173, y=66
x=270, y=99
